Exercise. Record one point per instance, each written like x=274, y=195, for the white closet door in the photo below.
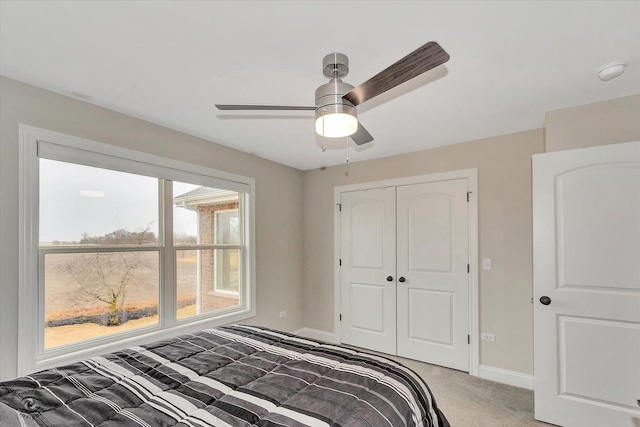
x=586, y=265
x=433, y=253
x=368, y=253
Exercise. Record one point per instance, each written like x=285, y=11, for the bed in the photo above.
x=227, y=376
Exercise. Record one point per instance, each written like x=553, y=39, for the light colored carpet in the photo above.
x=469, y=401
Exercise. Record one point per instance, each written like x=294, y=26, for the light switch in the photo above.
x=488, y=337
x=486, y=263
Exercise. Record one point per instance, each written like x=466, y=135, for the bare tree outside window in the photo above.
x=105, y=277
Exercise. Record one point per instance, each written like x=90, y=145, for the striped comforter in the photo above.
x=227, y=376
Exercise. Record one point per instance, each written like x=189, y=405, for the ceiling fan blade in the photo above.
x=417, y=62
x=264, y=107
x=362, y=136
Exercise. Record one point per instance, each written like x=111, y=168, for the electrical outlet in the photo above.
x=283, y=314
x=488, y=337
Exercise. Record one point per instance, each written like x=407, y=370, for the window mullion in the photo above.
x=243, y=218
x=168, y=288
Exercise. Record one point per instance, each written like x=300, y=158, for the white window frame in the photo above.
x=31, y=355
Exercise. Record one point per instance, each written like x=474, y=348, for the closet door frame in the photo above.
x=472, y=176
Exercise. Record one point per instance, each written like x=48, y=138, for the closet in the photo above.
x=405, y=270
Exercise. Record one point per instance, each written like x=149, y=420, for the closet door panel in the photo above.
x=368, y=253
x=433, y=253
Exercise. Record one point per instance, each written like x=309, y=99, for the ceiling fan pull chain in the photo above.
x=346, y=138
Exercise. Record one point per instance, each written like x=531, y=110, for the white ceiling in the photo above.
x=169, y=62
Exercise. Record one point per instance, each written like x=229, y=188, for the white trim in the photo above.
x=503, y=376
x=472, y=178
x=129, y=341
x=419, y=179
x=316, y=334
x=28, y=341
x=29, y=325
x=516, y=379
x=98, y=154
x=474, y=290
x=337, y=226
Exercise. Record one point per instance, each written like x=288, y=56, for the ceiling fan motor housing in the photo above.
x=331, y=94
x=330, y=105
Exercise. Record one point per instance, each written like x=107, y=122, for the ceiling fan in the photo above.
x=336, y=101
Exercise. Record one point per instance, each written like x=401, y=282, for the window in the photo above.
x=99, y=256
x=207, y=223
x=120, y=245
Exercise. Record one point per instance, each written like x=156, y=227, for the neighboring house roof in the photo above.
x=204, y=196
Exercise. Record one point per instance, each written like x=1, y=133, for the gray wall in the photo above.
x=607, y=122
x=285, y=197
x=504, y=187
x=504, y=179
x=279, y=215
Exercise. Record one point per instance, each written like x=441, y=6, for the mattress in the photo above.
x=227, y=376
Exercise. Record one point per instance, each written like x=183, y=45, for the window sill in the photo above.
x=153, y=333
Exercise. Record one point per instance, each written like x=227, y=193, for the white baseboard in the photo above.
x=516, y=379
x=504, y=376
x=316, y=334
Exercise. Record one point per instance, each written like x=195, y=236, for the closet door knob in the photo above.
x=545, y=300
x=402, y=279
x=389, y=279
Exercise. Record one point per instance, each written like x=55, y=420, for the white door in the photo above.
x=433, y=277
x=368, y=254
x=586, y=233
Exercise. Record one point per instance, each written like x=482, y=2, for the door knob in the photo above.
x=389, y=279
x=402, y=279
x=545, y=300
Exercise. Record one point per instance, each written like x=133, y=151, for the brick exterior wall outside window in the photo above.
x=210, y=301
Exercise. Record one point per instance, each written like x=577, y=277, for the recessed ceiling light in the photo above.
x=612, y=70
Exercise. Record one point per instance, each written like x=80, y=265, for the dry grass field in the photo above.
x=69, y=334
x=63, y=300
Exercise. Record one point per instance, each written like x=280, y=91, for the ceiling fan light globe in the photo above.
x=336, y=125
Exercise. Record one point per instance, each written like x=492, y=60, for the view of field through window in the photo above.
x=100, y=251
